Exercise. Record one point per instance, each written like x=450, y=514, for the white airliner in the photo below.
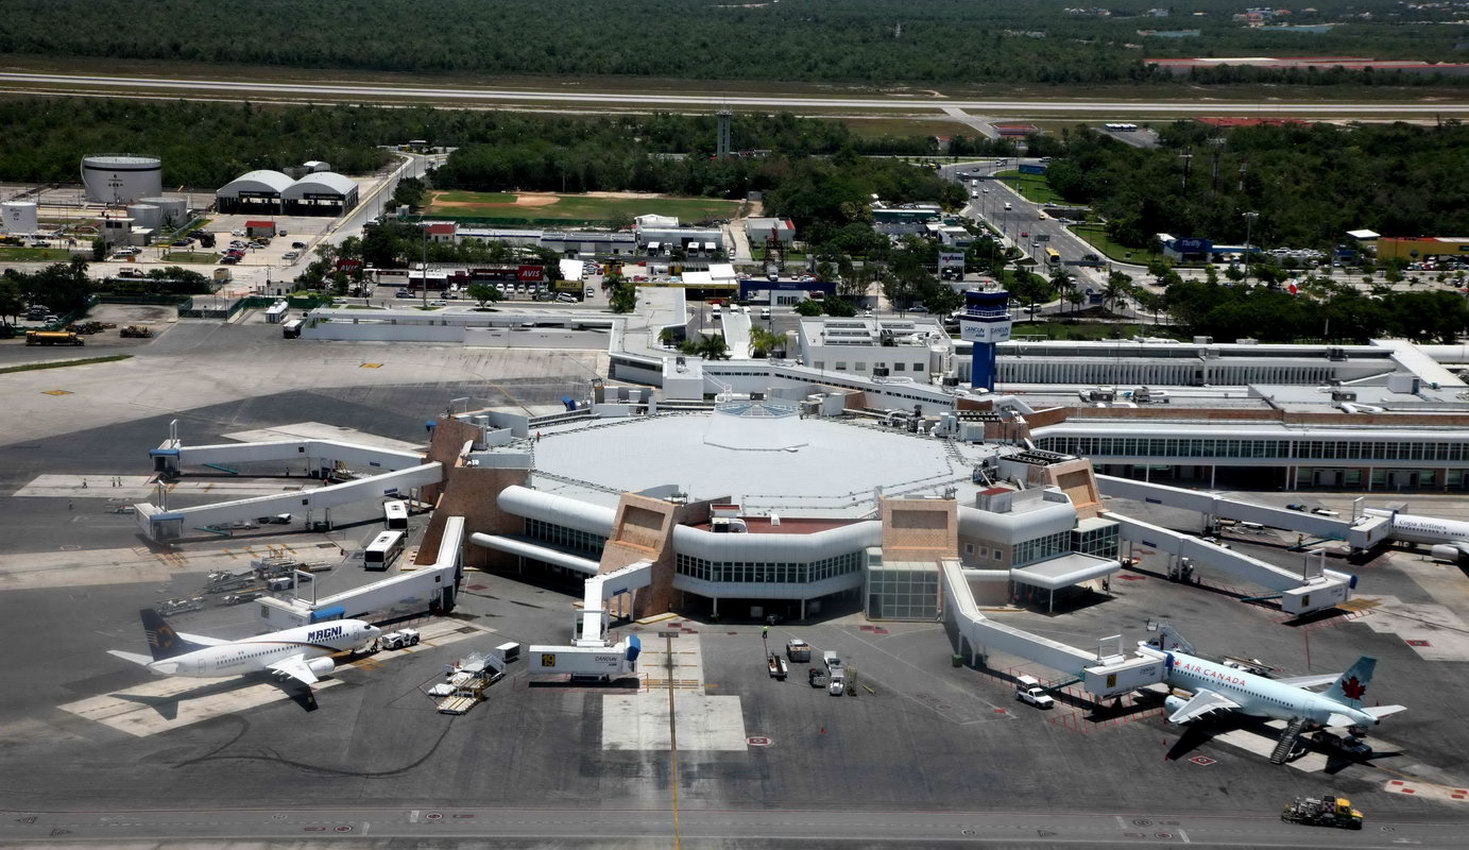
x=1219, y=687
x=299, y=653
x=1449, y=538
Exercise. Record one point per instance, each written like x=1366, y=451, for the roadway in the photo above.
x=726, y=827
x=365, y=92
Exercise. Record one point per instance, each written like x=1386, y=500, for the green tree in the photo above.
x=1116, y=290
x=483, y=293
x=808, y=308
x=624, y=298
x=713, y=347
x=11, y=301
x=99, y=249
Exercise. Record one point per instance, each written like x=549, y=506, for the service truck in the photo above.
x=1028, y=689
x=1323, y=811
x=53, y=338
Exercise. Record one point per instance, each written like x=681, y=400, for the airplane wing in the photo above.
x=1381, y=711
x=203, y=640
x=134, y=657
x=1309, y=681
x=296, y=668
x=1204, y=702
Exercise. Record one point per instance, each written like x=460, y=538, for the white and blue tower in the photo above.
x=985, y=322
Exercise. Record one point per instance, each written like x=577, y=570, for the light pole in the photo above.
x=1249, y=229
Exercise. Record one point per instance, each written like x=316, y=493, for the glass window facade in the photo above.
x=769, y=571
x=565, y=538
x=902, y=594
x=1101, y=542
x=1222, y=447
x=1042, y=548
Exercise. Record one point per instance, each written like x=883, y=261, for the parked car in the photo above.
x=297, y=244
x=291, y=255
x=1296, y=506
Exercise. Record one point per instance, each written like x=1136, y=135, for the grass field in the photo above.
x=17, y=254
x=191, y=257
x=1033, y=187
x=1097, y=235
x=537, y=205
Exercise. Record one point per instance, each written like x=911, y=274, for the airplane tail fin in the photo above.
x=1351, y=687
x=163, y=641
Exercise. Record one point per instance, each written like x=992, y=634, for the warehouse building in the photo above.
x=320, y=193
x=1421, y=248
x=253, y=192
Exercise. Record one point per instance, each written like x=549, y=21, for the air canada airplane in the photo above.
x=299, y=654
x=1219, y=687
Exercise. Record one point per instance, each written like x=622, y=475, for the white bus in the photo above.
x=395, y=515
x=383, y=550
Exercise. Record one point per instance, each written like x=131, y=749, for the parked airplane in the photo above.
x=1219, y=687
x=298, y=653
x=1449, y=538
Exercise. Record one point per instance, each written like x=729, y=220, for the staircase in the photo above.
x=1287, y=743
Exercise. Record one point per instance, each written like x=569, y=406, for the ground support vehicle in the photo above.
x=1323, y=811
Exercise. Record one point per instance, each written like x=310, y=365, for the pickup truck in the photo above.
x=1028, y=689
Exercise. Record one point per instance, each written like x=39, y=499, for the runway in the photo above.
x=367, y=93
x=726, y=828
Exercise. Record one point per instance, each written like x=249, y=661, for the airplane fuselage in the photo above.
x=1256, y=695
x=258, y=653
x=1409, y=528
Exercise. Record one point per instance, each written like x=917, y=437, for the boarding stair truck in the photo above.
x=1323, y=811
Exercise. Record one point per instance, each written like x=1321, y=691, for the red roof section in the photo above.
x=260, y=223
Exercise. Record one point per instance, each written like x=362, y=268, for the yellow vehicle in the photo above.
x=53, y=338
x=1053, y=257
x=1323, y=811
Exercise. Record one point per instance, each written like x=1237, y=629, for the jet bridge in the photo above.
x=590, y=653
x=1213, y=504
x=432, y=588
x=1102, y=674
x=161, y=524
x=322, y=457
x=1301, y=592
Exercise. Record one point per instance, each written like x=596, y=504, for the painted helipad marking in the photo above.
x=136, y=710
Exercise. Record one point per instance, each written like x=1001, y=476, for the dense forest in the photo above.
x=870, y=41
x=1309, y=183
x=204, y=145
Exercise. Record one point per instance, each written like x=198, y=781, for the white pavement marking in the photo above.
x=320, y=431
x=1433, y=631
x=705, y=723
x=74, y=569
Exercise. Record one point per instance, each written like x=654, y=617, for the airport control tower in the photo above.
x=986, y=323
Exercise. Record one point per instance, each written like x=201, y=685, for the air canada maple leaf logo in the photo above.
x=1353, y=688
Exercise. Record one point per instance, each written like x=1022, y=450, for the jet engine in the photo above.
x=320, y=667
x=1173, y=704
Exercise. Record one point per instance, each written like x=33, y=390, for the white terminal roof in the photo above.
x=818, y=466
x=263, y=180
x=321, y=183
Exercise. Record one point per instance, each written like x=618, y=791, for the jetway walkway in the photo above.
x=1103, y=675
x=1213, y=504
x=535, y=551
x=319, y=455
x=162, y=524
x=431, y=588
x=1301, y=592
x=590, y=653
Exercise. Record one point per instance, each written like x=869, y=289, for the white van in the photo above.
x=1007, y=205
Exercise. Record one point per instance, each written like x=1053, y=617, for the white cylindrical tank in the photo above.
x=146, y=215
x=121, y=178
x=174, y=211
x=18, y=218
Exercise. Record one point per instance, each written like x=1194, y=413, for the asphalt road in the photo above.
x=730, y=827
x=368, y=92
